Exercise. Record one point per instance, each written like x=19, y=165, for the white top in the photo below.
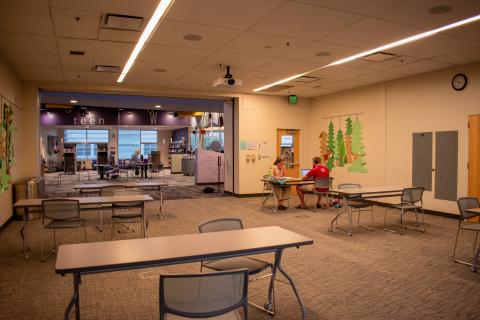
x=149, y=252
x=86, y=186
x=474, y=210
x=88, y=200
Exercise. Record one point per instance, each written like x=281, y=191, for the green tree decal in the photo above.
x=340, y=149
x=348, y=140
x=331, y=146
x=358, y=149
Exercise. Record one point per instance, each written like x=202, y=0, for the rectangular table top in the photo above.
x=88, y=200
x=86, y=186
x=368, y=190
x=288, y=181
x=474, y=210
x=149, y=252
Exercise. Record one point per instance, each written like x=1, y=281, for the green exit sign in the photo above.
x=292, y=99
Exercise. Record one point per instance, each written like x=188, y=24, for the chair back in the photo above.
x=60, y=209
x=467, y=203
x=128, y=192
x=412, y=195
x=108, y=191
x=223, y=224
x=322, y=183
x=350, y=186
x=204, y=295
x=155, y=158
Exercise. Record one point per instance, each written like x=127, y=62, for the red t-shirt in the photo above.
x=317, y=172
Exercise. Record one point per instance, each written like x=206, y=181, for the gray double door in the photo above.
x=446, y=163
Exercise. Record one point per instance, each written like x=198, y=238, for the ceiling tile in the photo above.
x=171, y=33
x=264, y=45
x=118, y=35
x=339, y=72
x=89, y=77
x=322, y=52
x=374, y=77
x=238, y=62
x=470, y=31
x=461, y=57
x=25, y=18
x=142, y=8
x=370, y=33
x=146, y=81
x=433, y=46
x=167, y=55
x=415, y=13
x=391, y=63
x=171, y=72
x=304, y=21
x=365, y=7
x=75, y=23
x=77, y=62
x=96, y=48
x=419, y=67
x=33, y=60
x=24, y=43
x=40, y=74
x=220, y=13
x=286, y=67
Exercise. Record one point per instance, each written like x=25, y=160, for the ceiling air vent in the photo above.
x=278, y=87
x=122, y=22
x=112, y=69
x=77, y=53
x=305, y=79
x=379, y=56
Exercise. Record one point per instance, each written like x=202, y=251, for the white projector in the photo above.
x=226, y=82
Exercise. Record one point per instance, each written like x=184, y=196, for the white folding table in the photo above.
x=95, y=257
x=362, y=193
x=84, y=201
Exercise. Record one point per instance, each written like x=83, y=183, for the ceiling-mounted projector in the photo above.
x=227, y=80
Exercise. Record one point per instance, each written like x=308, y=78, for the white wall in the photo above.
x=396, y=109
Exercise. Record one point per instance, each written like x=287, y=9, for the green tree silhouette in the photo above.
x=348, y=140
x=340, y=149
x=331, y=146
x=358, y=149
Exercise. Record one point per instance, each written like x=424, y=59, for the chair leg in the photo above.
x=41, y=243
x=456, y=240
x=475, y=243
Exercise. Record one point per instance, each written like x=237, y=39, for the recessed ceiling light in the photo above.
x=159, y=70
x=268, y=47
x=77, y=53
x=159, y=13
x=439, y=9
x=121, y=109
x=158, y=106
x=322, y=54
x=385, y=47
x=73, y=101
x=192, y=37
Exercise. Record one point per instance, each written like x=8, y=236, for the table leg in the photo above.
x=161, y=203
x=146, y=169
x=339, y=213
x=475, y=259
x=23, y=234
x=75, y=300
x=101, y=172
x=277, y=265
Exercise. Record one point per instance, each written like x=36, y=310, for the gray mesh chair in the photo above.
x=464, y=204
x=107, y=191
x=411, y=200
x=321, y=183
x=204, y=295
x=60, y=214
x=357, y=203
x=132, y=212
x=254, y=266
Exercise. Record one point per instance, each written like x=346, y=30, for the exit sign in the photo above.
x=292, y=99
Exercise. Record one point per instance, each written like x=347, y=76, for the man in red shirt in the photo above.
x=318, y=171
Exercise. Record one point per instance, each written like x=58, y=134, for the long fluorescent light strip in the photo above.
x=152, y=24
x=382, y=48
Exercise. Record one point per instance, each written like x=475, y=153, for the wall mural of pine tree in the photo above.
x=348, y=140
x=340, y=149
x=323, y=146
x=6, y=146
x=331, y=146
x=358, y=149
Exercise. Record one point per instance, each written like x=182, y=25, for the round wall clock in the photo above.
x=459, y=82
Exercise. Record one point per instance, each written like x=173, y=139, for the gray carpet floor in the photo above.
x=372, y=275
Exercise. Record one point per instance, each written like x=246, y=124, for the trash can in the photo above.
x=30, y=188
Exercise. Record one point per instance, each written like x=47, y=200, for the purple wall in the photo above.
x=104, y=116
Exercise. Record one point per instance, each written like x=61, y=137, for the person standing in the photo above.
x=318, y=171
x=282, y=193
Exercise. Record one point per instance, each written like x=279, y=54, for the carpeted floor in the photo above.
x=372, y=275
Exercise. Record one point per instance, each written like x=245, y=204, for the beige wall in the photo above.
x=395, y=110
x=12, y=89
x=163, y=141
x=259, y=117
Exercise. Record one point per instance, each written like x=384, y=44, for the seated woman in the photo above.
x=282, y=193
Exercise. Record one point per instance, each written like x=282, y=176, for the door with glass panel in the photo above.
x=288, y=148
